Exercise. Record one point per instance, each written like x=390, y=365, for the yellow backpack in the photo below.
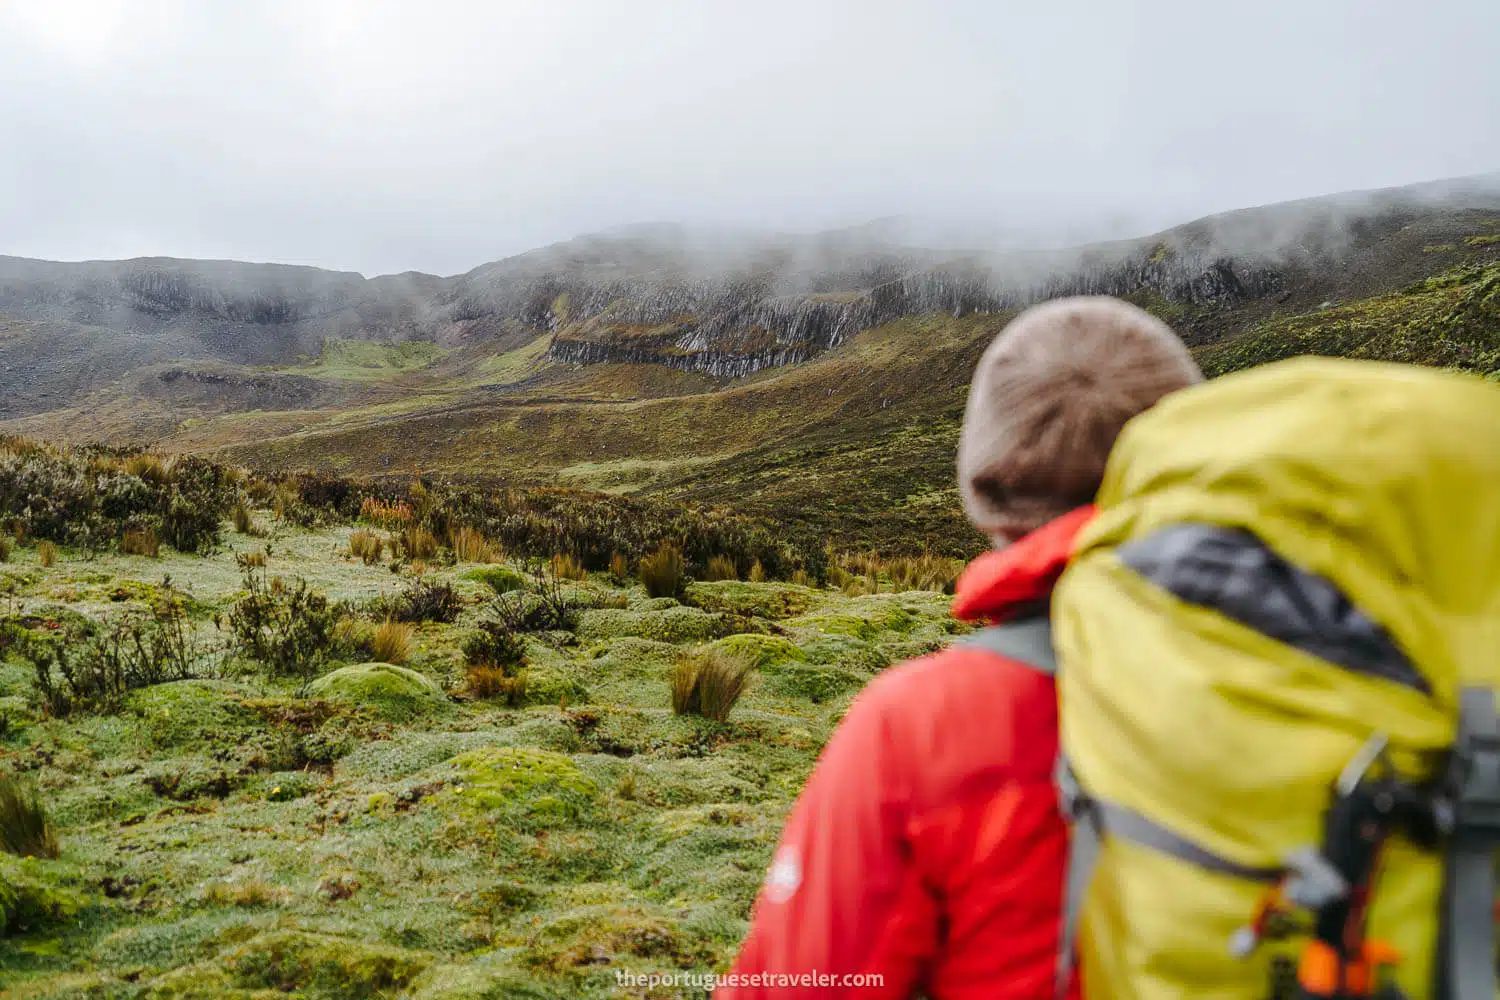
x=1277, y=649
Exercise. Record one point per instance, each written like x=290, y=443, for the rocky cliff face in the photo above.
x=668, y=296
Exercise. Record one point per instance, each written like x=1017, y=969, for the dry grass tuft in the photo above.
x=721, y=568
x=392, y=642
x=366, y=546
x=709, y=683
x=664, y=573
x=470, y=545
x=47, y=552
x=141, y=542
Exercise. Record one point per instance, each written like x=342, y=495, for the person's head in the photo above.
x=1048, y=399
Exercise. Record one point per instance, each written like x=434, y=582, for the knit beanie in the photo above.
x=1048, y=399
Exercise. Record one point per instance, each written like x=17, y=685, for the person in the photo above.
x=926, y=853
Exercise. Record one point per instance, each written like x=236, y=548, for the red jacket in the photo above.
x=927, y=847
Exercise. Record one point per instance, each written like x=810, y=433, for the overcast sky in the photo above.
x=430, y=135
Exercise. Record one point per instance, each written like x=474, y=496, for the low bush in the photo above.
x=709, y=683
x=423, y=601
x=93, y=667
x=496, y=663
x=663, y=573
x=25, y=829
x=289, y=629
x=141, y=542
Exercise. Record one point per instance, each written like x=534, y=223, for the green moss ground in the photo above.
x=428, y=845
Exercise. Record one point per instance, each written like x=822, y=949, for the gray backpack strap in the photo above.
x=1466, y=958
x=1083, y=854
x=1026, y=640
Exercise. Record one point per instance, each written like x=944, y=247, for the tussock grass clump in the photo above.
x=619, y=568
x=721, y=568
x=565, y=567
x=149, y=468
x=366, y=546
x=416, y=544
x=47, y=553
x=244, y=521
x=392, y=642
x=709, y=683
x=867, y=573
x=390, y=516
x=4, y=549
x=757, y=573
x=141, y=542
x=25, y=829
x=663, y=573
x=257, y=559
x=472, y=546
x=251, y=892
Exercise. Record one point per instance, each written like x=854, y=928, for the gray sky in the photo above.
x=434, y=135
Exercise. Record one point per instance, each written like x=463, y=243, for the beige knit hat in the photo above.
x=1049, y=397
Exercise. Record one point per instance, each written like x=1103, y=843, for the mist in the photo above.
x=383, y=137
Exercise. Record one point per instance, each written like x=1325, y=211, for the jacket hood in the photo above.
x=1001, y=584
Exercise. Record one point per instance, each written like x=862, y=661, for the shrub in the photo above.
x=619, y=568
x=471, y=546
x=710, y=682
x=93, y=668
x=4, y=549
x=366, y=546
x=141, y=542
x=664, y=573
x=355, y=636
x=496, y=659
x=25, y=829
x=565, y=567
x=721, y=568
x=757, y=573
x=47, y=552
x=426, y=601
x=392, y=642
x=289, y=629
x=494, y=645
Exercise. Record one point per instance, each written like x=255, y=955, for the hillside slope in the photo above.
x=817, y=379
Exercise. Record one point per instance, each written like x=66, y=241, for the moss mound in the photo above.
x=542, y=786
x=757, y=600
x=187, y=714
x=35, y=894
x=397, y=693
x=764, y=650
x=675, y=624
x=284, y=961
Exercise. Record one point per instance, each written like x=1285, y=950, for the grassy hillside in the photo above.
x=277, y=791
